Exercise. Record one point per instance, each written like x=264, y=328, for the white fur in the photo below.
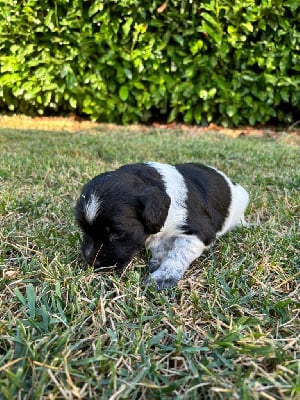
x=172, y=250
x=177, y=191
x=185, y=249
x=161, y=242
x=92, y=208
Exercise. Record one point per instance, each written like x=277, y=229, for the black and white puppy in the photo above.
x=176, y=211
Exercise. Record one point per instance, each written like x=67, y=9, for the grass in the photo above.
x=230, y=330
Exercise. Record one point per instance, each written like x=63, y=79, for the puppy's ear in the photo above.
x=153, y=208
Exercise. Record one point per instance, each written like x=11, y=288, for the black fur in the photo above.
x=208, y=200
x=129, y=199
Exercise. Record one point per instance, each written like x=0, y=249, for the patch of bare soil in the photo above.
x=69, y=124
x=288, y=135
x=73, y=124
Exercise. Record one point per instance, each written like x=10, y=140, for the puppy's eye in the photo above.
x=113, y=236
x=116, y=236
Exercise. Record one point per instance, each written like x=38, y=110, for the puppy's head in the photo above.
x=116, y=212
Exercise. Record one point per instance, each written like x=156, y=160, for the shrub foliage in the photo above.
x=132, y=60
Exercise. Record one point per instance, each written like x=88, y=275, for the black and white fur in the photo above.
x=176, y=211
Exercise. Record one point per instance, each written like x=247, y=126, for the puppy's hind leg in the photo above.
x=240, y=201
x=184, y=251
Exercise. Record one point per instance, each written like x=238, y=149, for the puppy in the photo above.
x=176, y=211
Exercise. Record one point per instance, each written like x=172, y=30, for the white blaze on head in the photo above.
x=92, y=208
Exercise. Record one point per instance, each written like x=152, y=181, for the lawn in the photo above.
x=230, y=330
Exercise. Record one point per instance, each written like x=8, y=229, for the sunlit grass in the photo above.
x=230, y=330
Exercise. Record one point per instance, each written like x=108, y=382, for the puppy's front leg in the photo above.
x=159, y=248
x=185, y=250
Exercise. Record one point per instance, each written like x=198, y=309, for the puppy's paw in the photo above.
x=153, y=265
x=165, y=283
x=161, y=282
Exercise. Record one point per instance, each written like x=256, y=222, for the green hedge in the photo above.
x=131, y=60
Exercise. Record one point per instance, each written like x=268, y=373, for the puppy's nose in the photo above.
x=90, y=258
x=92, y=261
x=95, y=263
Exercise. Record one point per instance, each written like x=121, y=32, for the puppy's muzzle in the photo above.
x=99, y=260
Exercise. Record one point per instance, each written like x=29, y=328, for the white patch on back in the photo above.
x=92, y=208
x=177, y=191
